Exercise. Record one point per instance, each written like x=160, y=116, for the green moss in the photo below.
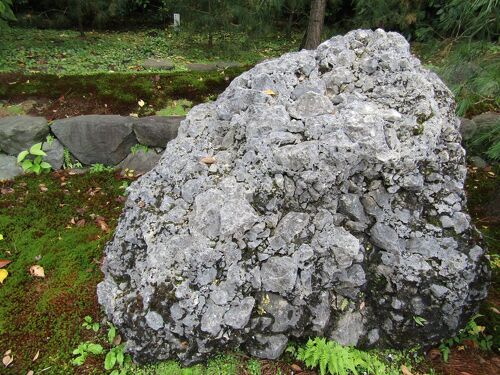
x=45, y=313
x=176, y=108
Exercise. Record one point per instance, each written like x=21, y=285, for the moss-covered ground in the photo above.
x=64, y=52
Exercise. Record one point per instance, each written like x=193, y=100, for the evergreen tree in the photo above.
x=6, y=13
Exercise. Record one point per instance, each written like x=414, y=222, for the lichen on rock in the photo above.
x=320, y=194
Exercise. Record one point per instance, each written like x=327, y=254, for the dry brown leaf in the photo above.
x=43, y=188
x=117, y=340
x=101, y=223
x=6, y=191
x=37, y=271
x=36, y=356
x=405, y=370
x=296, y=368
x=80, y=223
x=434, y=353
x=4, y=262
x=7, y=359
x=208, y=160
x=141, y=204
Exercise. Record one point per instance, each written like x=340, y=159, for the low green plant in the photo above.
x=176, y=108
x=471, y=332
x=113, y=349
x=32, y=160
x=50, y=139
x=138, y=147
x=69, y=162
x=100, y=168
x=419, y=321
x=90, y=324
x=83, y=350
x=253, y=367
x=335, y=359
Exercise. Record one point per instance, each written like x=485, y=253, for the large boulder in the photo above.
x=18, y=133
x=140, y=161
x=104, y=139
x=320, y=195
x=55, y=153
x=157, y=131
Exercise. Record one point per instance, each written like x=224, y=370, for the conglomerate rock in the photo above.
x=321, y=194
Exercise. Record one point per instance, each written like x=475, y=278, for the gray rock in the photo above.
x=486, y=120
x=104, y=139
x=18, y=133
x=478, y=162
x=198, y=67
x=316, y=213
x=8, y=167
x=467, y=128
x=140, y=161
x=55, y=153
x=270, y=347
x=156, y=131
x=158, y=64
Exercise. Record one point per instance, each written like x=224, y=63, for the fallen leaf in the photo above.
x=80, y=223
x=4, y=262
x=269, y=92
x=465, y=373
x=36, y=356
x=43, y=188
x=101, y=223
x=141, y=204
x=208, y=160
x=141, y=103
x=7, y=359
x=6, y=191
x=296, y=368
x=117, y=340
x=3, y=275
x=405, y=370
x=37, y=271
x=30, y=372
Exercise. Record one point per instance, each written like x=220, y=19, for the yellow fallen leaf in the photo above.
x=269, y=92
x=141, y=103
x=36, y=356
x=30, y=372
x=3, y=275
x=405, y=370
x=37, y=271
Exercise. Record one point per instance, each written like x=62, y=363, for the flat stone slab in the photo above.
x=156, y=131
x=105, y=139
x=199, y=67
x=8, y=167
x=18, y=133
x=158, y=64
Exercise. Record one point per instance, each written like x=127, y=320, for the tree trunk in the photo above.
x=315, y=24
x=289, y=25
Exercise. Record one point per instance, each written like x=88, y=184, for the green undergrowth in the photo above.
x=470, y=68
x=176, y=108
x=121, y=88
x=60, y=229
x=65, y=52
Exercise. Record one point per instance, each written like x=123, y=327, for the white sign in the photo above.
x=177, y=20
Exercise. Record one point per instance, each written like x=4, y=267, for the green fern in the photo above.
x=335, y=359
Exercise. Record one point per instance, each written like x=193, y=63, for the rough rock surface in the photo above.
x=18, y=133
x=156, y=131
x=105, y=139
x=321, y=194
x=158, y=64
